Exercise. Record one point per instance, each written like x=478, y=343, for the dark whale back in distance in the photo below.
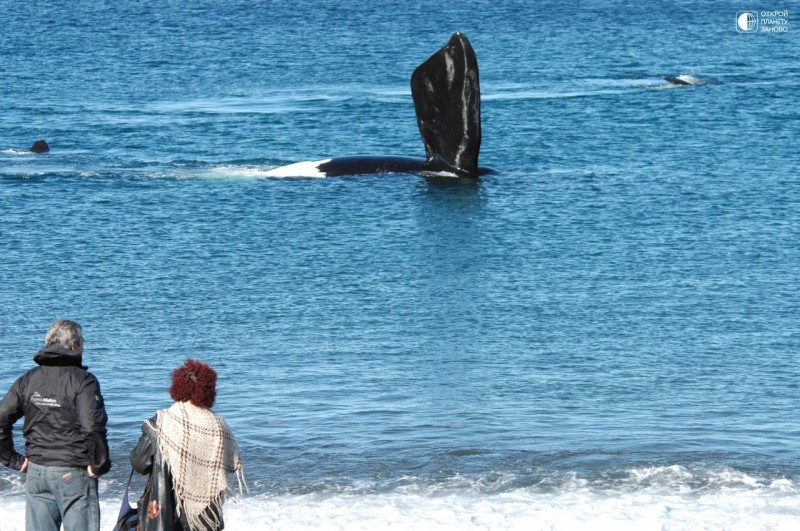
x=687, y=80
x=447, y=99
x=40, y=146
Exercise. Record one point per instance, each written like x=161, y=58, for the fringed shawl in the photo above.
x=200, y=451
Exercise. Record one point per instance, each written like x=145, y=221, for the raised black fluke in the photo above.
x=447, y=98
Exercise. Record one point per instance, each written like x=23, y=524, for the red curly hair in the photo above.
x=194, y=382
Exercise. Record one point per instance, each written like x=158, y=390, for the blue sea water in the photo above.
x=604, y=334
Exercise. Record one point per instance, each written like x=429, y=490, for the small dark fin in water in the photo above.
x=40, y=146
x=447, y=98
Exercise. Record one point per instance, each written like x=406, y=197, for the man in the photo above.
x=66, y=449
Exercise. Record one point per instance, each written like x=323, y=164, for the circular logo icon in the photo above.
x=746, y=21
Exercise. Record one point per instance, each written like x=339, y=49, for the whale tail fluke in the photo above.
x=447, y=99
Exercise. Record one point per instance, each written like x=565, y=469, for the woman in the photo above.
x=188, y=452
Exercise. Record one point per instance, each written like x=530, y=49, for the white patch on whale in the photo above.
x=309, y=169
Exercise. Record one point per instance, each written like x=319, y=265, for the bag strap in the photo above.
x=125, y=507
x=127, y=488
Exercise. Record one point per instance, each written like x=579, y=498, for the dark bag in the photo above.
x=128, y=517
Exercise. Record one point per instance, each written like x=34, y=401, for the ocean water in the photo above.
x=604, y=334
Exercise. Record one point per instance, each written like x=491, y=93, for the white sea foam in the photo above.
x=302, y=101
x=298, y=170
x=664, y=498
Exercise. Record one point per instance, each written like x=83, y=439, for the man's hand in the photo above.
x=91, y=472
x=24, y=468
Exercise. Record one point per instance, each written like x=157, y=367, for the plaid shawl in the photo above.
x=200, y=451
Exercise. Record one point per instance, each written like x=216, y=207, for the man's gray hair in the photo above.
x=64, y=333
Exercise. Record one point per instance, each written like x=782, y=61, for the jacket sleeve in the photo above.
x=92, y=416
x=143, y=454
x=10, y=412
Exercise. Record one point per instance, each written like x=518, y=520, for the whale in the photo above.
x=446, y=92
x=685, y=80
x=40, y=146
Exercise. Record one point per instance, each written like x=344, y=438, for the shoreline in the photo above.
x=776, y=507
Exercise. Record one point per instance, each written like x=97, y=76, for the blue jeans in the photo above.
x=56, y=495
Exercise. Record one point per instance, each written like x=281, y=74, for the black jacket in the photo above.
x=65, y=417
